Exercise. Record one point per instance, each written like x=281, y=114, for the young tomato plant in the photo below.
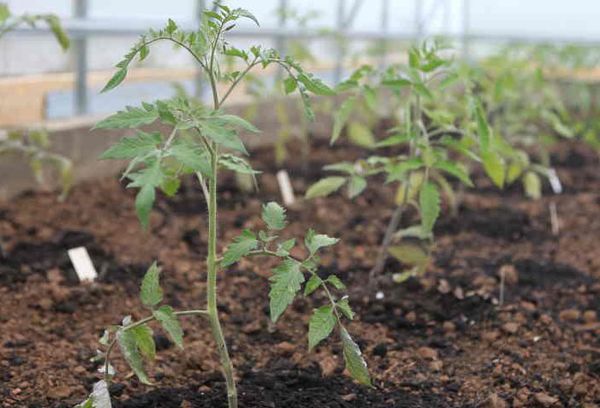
x=438, y=132
x=33, y=145
x=197, y=144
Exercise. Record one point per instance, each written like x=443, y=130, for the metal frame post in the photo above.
x=80, y=11
x=466, y=27
x=281, y=43
x=339, y=66
x=385, y=23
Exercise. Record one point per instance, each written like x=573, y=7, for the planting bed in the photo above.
x=437, y=341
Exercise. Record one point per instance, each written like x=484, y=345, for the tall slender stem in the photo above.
x=211, y=285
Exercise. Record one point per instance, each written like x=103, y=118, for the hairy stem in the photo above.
x=211, y=286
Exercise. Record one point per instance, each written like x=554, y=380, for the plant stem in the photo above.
x=211, y=285
x=385, y=244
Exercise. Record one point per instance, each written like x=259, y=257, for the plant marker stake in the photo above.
x=554, y=221
x=285, y=186
x=80, y=258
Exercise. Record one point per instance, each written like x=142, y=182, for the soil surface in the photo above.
x=442, y=340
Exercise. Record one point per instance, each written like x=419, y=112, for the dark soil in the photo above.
x=440, y=340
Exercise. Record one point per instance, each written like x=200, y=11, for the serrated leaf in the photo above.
x=237, y=122
x=115, y=80
x=314, y=241
x=483, y=128
x=285, y=247
x=245, y=13
x=315, y=85
x=457, y=170
x=285, y=284
x=236, y=164
x=147, y=180
x=274, y=216
x=191, y=155
x=129, y=348
x=214, y=130
x=356, y=185
x=151, y=292
x=169, y=322
x=355, y=363
x=313, y=284
x=494, y=167
x=336, y=282
x=144, y=341
x=241, y=246
x=429, y=204
x=129, y=147
x=131, y=117
x=341, y=116
x=344, y=306
x=321, y=325
x=289, y=85
x=325, y=187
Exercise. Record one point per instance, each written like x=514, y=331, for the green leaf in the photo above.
x=237, y=122
x=285, y=284
x=532, y=185
x=236, y=164
x=494, y=167
x=356, y=185
x=361, y=135
x=151, y=292
x=116, y=79
x=315, y=85
x=336, y=282
x=314, y=242
x=100, y=397
x=396, y=83
x=344, y=306
x=429, y=203
x=289, y=85
x=129, y=348
x=147, y=180
x=215, y=130
x=341, y=116
x=355, y=363
x=274, y=216
x=131, y=117
x=4, y=12
x=168, y=320
x=325, y=187
x=313, y=284
x=397, y=171
x=242, y=245
x=321, y=325
x=245, y=13
x=170, y=186
x=410, y=254
x=457, y=170
x=129, y=147
x=57, y=30
x=483, y=127
x=144, y=341
x=191, y=155
x=285, y=247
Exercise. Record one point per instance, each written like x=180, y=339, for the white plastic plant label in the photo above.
x=80, y=258
x=554, y=181
x=285, y=186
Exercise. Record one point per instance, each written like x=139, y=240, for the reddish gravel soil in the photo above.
x=438, y=341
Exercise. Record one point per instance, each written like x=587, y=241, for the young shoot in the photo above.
x=430, y=147
x=203, y=140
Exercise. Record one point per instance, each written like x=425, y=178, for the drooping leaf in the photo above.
x=236, y=164
x=314, y=241
x=313, y=284
x=483, y=127
x=285, y=284
x=361, y=135
x=457, y=170
x=58, y=31
x=274, y=215
x=144, y=341
x=494, y=167
x=344, y=306
x=321, y=325
x=410, y=254
x=115, y=80
x=356, y=185
x=429, y=204
x=237, y=122
x=241, y=246
x=355, y=363
x=325, y=187
x=341, y=116
x=315, y=85
x=129, y=348
x=147, y=180
x=129, y=147
x=169, y=322
x=151, y=292
x=336, y=282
